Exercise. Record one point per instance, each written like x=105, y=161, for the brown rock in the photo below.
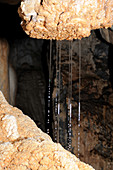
x=4, y=84
x=24, y=146
x=64, y=19
x=107, y=34
x=111, y=99
x=96, y=120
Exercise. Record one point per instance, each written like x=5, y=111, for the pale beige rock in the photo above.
x=24, y=146
x=8, y=78
x=4, y=83
x=65, y=19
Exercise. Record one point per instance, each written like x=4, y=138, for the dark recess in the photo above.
x=10, y=27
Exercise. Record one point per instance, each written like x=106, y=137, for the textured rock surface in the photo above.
x=96, y=95
x=8, y=83
x=24, y=146
x=96, y=131
x=107, y=34
x=65, y=19
x=26, y=57
x=4, y=83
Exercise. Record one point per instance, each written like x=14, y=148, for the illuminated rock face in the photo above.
x=24, y=146
x=64, y=19
x=8, y=82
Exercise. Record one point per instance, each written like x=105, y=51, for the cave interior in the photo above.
x=89, y=136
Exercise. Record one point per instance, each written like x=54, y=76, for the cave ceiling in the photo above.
x=11, y=2
x=10, y=27
x=10, y=22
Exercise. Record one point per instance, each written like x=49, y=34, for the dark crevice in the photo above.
x=41, y=2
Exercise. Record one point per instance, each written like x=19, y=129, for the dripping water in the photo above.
x=79, y=106
x=48, y=123
x=55, y=121
x=69, y=131
x=59, y=86
x=56, y=98
x=58, y=91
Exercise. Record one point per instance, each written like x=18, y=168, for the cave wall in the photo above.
x=4, y=79
x=96, y=125
x=26, y=57
x=107, y=34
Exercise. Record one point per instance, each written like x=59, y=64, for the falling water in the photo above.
x=57, y=98
x=69, y=134
x=49, y=108
x=56, y=121
x=48, y=124
x=79, y=109
x=59, y=78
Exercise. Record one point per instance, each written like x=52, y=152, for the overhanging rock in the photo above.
x=65, y=19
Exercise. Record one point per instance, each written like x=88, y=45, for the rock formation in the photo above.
x=107, y=34
x=64, y=19
x=26, y=57
x=96, y=124
x=4, y=83
x=96, y=94
x=8, y=82
x=24, y=146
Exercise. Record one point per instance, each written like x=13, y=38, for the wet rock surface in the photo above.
x=96, y=127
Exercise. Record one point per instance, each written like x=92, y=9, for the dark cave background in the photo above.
x=30, y=59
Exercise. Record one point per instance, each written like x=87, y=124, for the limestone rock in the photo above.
x=4, y=83
x=65, y=19
x=24, y=146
